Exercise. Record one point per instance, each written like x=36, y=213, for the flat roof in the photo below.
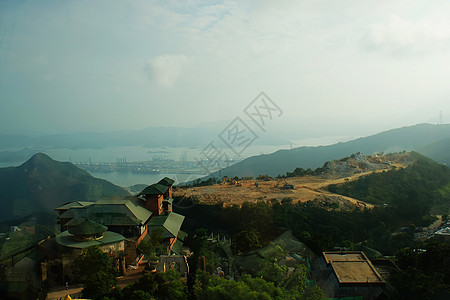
x=353, y=267
x=344, y=256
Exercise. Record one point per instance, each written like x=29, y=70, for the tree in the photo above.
x=246, y=288
x=153, y=245
x=96, y=271
x=164, y=285
x=170, y=286
x=247, y=240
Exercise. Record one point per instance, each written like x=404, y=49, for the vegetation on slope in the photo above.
x=412, y=191
x=41, y=184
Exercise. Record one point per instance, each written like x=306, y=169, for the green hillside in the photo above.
x=429, y=137
x=41, y=184
x=412, y=191
x=439, y=151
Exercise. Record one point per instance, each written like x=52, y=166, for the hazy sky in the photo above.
x=108, y=65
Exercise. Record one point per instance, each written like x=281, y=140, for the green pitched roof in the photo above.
x=106, y=212
x=177, y=247
x=67, y=239
x=108, y=219
x=154, y=189
x=87, y=227
x=166, y=181
x=171, y=224
x=182, y=235
x=74, y=204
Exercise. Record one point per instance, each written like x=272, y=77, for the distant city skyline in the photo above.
x=332, y=66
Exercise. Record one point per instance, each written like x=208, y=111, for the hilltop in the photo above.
x=301, y=188
x=429, y=140
x=41, y=184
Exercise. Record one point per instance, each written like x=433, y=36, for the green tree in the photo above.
x=164, y=285
x=170, y=286
x=96, y=271
x=154, y=245
x=247, y=240
x=246, y=288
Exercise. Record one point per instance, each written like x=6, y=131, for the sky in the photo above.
x=332, y=67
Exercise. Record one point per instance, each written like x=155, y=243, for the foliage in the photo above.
x=165, y=285
x=253, y=225
x=154, y=245
x=201, y=247
x=42, y=183
x=425, y=274
x=96, y=271
x=302, y=172
x=246, y=287
x=210, y=287
x=206, y=182
x=411, y=191
x=321, y=229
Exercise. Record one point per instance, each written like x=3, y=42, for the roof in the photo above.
x=67, y=239
x=166, y=181
x=108, y=220
x=155, y=189
x=352, y=267
x=182, y=235
x=74, y=204
x=177, y=247
x=87, y=227
x=111, y=212
x=171, y=224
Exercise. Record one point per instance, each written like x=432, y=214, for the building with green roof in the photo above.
x=170, y=224
x=119, y=224
x=125, y=215
x=167, y=181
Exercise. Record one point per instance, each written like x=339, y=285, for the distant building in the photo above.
x=349, y=274
x=14, y=228
x=443, y=234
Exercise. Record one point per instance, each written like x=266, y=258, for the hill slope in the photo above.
x=405, y=138
x=306, y=188
x=438, y=151
x=412, y=191
x=41, y=184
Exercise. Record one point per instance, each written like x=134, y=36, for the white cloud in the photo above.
x=165, y=69
x=398, y=36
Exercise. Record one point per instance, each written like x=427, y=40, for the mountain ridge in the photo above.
x=408, y=138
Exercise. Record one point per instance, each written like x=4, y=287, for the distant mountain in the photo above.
x=41, y=184
x=430, y=140
x=439, y=151
x=149, y=137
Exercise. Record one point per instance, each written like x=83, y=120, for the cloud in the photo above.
x=165, y=69
x=397, y=36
